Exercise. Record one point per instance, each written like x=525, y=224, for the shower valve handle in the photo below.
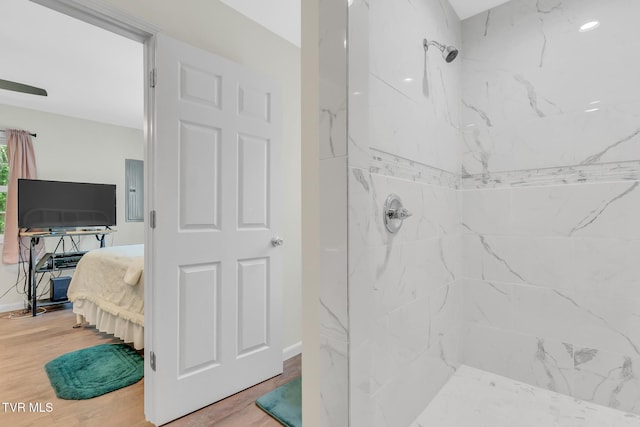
x=401, y=213
x=394, y=213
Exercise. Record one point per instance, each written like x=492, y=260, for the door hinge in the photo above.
x=152, y=360
x=152, y=219
x=152, y=78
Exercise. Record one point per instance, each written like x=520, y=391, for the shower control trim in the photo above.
x=394, y=213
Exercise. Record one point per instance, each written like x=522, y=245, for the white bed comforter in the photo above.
x=107, y=288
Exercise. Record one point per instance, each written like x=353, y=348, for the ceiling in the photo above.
x=99, y=75
x=282, y=19
x=468, y=8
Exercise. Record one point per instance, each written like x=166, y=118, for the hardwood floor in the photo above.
x=26, y=344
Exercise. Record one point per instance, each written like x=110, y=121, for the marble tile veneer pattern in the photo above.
x=551, y=196
x=548, y=278
x=404, y=323
x=545, y=269
x=333, y=312
x=475, y=398
x=405, y=303
x=534, y=94
x=551, y=279
x=392, y=165
x=548, y=274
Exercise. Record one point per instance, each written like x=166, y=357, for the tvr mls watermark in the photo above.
x=26, y=407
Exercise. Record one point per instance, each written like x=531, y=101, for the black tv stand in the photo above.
x=56, y=261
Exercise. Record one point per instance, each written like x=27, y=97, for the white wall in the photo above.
x=334, y=320
x=538, y=93
x=70, y=149
x=521, y=256
x=552, y=199
x=217, y=28
x=404, y=331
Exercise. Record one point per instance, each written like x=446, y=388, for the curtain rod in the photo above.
x=32, y=134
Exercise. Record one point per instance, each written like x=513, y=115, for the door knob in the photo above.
x=277, y=241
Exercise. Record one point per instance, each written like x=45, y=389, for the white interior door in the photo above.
x=215, y=298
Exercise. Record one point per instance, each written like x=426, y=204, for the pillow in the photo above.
x=134, y=271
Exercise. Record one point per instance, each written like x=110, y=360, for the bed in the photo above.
x=107, y=290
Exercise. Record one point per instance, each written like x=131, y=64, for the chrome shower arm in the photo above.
x=449, y=53
x=426, y=43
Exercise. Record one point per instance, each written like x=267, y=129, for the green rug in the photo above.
x=94, y=371
x=284, y=403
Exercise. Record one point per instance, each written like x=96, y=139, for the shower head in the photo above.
x=449, y=53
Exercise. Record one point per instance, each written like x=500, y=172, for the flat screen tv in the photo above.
x=59, y=204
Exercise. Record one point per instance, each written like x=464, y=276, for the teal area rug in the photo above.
x=94, y=371
x=284, y=403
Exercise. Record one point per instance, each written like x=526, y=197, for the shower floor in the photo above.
x=475, y=398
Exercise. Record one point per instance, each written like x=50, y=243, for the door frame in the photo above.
x=112, y=19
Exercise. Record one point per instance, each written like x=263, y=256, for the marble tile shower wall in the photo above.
x=551, y=199
x=526, y=263
x=406, y=319
x=334, y=322
x=552, y=287
x=539, y=94
x=405, y=323
x=414, y=96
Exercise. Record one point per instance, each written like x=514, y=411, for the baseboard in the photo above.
x=4, y=308
x=292, y=351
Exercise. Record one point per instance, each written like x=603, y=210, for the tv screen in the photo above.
x=59, y=204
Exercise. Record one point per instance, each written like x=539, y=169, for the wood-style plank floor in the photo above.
x=26, y=344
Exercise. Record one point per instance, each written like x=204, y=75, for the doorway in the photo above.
x=90, y=15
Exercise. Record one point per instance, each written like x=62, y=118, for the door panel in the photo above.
x=254, y=103
x=253, y=182
x=199, y=176
x=217, y=278
x=202, y=86
x=253, y=305
x=199, y=291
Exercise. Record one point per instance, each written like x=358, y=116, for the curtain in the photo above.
x=22, y=164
